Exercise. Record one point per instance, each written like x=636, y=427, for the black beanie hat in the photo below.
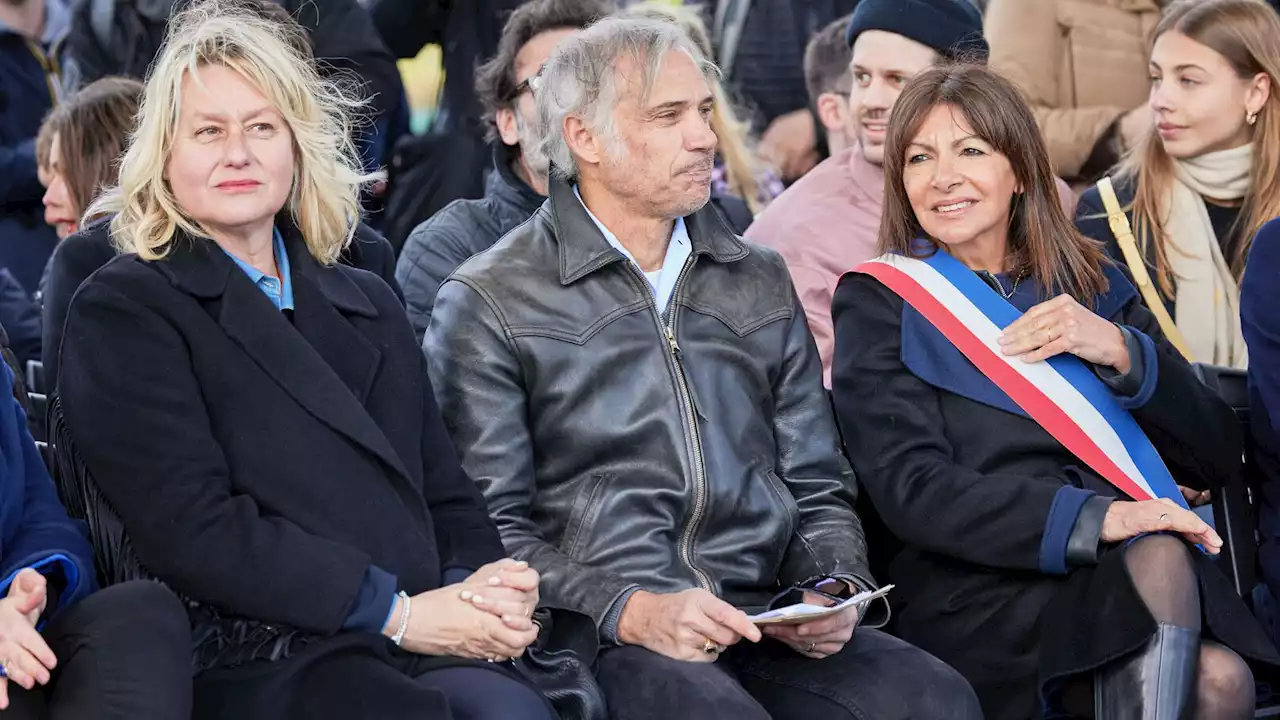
x=952, y=27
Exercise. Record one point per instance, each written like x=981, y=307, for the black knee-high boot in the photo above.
x=1156, y=683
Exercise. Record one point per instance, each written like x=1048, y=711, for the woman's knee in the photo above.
x=1160, y=548
x=1225, y=689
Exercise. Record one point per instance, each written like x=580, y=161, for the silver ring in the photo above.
x=1163, y=516
x=809, y=649
x=4, y=668
x=712, y=648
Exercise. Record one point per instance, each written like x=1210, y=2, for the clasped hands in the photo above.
x=695, y=626
x=488, y=616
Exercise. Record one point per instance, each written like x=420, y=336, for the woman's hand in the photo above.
x=1064, y=325
x=26, y=658
x=818, y=638
x=442, y=623
x=1126, y=519
x=507, y=589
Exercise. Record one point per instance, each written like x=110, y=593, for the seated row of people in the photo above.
x=625, y=397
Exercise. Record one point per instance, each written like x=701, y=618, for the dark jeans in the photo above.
x=875, y=677
x=124, y=652
x=359, y=676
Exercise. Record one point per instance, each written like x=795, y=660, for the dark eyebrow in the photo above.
x=930, y=148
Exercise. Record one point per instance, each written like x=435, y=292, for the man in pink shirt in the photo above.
x=829, y=220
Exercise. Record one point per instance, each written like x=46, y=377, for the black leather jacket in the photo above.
x=620, y=448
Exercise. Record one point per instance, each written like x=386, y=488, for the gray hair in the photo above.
x=580, y=79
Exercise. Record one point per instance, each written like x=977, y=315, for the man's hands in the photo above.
x=26, y=657
x=818, y=638
x=679, y=625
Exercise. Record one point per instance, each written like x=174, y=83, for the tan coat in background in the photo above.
x=1082, y=63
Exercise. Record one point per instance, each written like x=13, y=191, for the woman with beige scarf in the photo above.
x=1207, y=176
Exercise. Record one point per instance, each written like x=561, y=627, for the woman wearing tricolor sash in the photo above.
x=1025, y=429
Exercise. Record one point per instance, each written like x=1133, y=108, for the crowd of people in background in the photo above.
x=675, y=315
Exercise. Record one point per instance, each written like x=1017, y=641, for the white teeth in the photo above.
x=955, y=207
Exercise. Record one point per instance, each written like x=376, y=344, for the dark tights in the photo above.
x=1164, y=574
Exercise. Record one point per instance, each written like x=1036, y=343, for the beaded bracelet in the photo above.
x=404, y=618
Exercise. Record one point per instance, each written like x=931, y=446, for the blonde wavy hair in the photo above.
x=324, y=201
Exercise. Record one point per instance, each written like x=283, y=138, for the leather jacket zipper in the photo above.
x=692, y=437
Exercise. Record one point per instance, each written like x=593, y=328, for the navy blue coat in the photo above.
x=34, y=528
x=1259, y=297
x=25, y=98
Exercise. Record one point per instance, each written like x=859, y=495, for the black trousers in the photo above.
x=124, y=652
x=359, y=676
x=875, y=677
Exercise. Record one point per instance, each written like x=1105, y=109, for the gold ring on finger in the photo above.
x=710, y=647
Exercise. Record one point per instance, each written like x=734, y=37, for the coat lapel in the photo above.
x=321, y=360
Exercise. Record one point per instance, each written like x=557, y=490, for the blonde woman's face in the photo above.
x=232, y=163
x=1199, y=102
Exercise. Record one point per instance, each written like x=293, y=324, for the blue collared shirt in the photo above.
x=279, y=292
x=662, y=283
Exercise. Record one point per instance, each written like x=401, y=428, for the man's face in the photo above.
x=660, y=158
x=518, y=127
x=882, y=64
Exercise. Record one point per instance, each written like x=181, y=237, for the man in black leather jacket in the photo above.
x=637, y=393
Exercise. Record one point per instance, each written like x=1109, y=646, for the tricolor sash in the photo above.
x=1061, y=394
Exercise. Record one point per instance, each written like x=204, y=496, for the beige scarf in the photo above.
x=1207, y=310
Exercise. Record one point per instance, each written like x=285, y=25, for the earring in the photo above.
x=1251, y=117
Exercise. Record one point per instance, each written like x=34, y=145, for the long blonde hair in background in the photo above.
x=740, y=162
x=1247, y=34
x=324, y=201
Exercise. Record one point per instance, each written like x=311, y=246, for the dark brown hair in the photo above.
x=92, y=127
x=826, y=61
x=1247, y=34
x=496, y=78
x=1043, y=243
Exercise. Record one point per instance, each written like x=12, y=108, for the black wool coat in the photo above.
x=262, y=460
x=969, y=488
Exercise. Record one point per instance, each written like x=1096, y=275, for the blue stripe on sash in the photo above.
x=1135, y=441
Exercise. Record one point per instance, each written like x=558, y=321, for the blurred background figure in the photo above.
x=759, y=46
x=79, y=149
x=829, y=80
x=1203, y=179
x=517, y=185
x=1083, y=66
x=29, y=87
x=107, y=37
x=452, y=159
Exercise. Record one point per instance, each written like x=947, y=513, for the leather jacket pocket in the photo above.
x=788, y=503
x=585, y=504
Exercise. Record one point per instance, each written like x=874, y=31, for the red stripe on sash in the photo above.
x=1022, y=391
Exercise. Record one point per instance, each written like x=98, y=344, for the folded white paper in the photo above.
x=804, y=612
